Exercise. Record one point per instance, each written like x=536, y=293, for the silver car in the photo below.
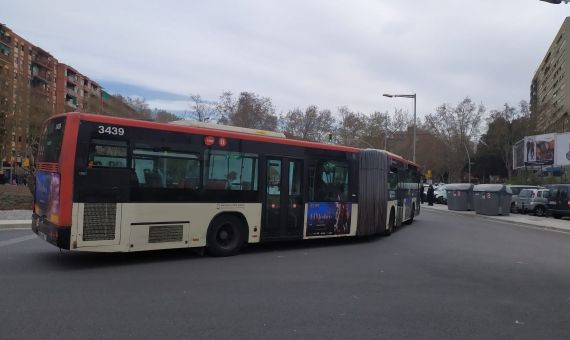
x=534, y=200
x=516, y=189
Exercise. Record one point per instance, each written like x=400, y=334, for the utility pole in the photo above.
x=414, y=97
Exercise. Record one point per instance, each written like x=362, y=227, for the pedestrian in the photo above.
x=20, y=174
x=430, y=195
x=422, y=194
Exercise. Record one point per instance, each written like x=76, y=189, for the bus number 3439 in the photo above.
x=111, y=130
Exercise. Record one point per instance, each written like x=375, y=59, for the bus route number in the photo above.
x=111, y=130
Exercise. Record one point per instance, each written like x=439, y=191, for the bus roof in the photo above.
x=218, y=133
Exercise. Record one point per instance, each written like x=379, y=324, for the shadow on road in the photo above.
x=70, y=260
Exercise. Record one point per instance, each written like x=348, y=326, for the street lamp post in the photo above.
x=468, y=160
x=407, y=96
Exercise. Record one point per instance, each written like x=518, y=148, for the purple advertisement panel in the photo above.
x=328, y=218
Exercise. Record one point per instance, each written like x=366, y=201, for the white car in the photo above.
x=441, y=194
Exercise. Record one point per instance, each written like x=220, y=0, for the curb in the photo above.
x=15, y=224
x=516, y=223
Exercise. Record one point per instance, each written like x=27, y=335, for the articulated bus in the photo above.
x=108, y=184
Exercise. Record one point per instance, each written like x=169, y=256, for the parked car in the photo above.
x=558, y=200
x=534, y=200
x=516, y=189
x=441, y=194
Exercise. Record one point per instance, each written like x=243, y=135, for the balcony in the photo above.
x=71, y=92
x=5, y=39
x=5, y=51
x=41, y=61
x=72, y=79
x=71, y=101
x=40, y=74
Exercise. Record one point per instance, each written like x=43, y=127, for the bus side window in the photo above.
x=166, y=169
x=107, y=154
x=392, y=185
x=330, y=183
x=226, y=170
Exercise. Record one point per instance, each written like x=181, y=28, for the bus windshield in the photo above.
x=50, y=141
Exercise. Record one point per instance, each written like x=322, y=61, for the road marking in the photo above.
x=17, y=240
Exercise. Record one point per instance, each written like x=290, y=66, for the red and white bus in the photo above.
x=108, y=184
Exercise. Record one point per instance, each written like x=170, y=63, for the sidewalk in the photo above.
x=15, y=219
x=518, y=219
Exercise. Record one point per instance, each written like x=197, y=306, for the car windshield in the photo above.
x=525, y=193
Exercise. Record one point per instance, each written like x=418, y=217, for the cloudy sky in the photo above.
x=328, y=53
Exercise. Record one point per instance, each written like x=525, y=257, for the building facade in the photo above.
x=550, y=87
x=76, y=92
x=27, y=92
x=34, y=86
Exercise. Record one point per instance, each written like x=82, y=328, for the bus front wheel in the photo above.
x=225, y=236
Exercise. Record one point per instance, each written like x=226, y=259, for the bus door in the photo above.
x=283, y=208
x=400, y=196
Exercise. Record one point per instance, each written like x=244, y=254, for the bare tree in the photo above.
x=506, y=127
x=163, y=116
x=202, y=111
x=457, y=127
x=38, y=111
x=351, y=128
x=250, y=111
x=226, y=106
x=310, y=124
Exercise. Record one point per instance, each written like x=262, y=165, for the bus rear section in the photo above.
x=51, y=219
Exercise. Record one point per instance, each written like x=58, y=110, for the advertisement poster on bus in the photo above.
x=562, y=149
x=328, y=218
x=539, y=150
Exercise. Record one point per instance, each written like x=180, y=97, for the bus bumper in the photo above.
x=56, y=235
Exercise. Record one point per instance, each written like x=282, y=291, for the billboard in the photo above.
x=539, y=150
x=562, y=149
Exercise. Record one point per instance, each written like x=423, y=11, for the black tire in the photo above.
x=411, y=220
x=513, y=208
x=391, y=223
x=226, y=236
x=539, y=211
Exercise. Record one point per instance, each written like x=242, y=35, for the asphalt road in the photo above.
x=445, y=276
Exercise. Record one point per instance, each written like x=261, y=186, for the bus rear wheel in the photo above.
x=225, y=236
x=412, y=214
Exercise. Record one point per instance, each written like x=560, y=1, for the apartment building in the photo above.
x=34, y=86
x=76, y=92
x=550, y=87
x=27, y=91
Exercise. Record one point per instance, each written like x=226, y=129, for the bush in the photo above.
x=535, y=179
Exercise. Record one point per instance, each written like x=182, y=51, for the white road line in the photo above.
x=17, y=240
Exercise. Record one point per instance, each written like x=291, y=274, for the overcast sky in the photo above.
x=328, y=53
